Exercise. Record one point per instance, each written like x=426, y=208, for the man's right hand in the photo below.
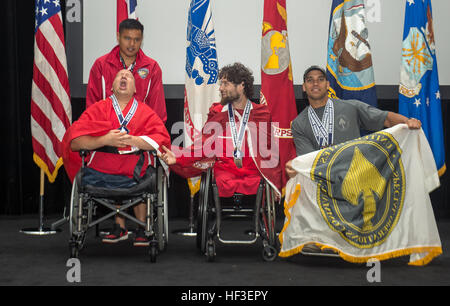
x=167, y=156
x=289, y=170
x=116, y=138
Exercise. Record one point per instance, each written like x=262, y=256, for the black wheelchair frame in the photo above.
x=211, y=212
x=85, y=200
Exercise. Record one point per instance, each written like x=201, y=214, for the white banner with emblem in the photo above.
x=365, y=198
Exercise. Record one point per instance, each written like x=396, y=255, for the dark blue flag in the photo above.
x=419, y=95
x=349, y=60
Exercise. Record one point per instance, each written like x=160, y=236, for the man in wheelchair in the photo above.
x=237, y=135
x=237, y=138
x=127, y=126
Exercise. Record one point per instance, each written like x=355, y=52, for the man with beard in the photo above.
x=237, y=135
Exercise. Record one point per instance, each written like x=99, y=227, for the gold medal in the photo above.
x=237, y=155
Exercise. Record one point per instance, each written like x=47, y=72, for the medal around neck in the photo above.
x=238, y=137
x=124, y=129
x=237, y=155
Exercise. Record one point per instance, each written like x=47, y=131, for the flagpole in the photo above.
x=190, y=231
x=41, y=230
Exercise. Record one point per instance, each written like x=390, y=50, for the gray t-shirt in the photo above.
x=349, y=117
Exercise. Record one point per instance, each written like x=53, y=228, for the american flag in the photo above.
x=126, y=9
x=51, y=111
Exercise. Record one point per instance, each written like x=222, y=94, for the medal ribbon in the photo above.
x=237, y=139
x=123, y=121
x=125, y=66
x=323, y=130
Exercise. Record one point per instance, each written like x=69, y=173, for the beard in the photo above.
x=229, y=98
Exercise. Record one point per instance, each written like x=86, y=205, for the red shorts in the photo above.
x=230, y=179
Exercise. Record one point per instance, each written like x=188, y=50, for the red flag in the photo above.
x=277, y=87
x=51, y=111
x=126, y=9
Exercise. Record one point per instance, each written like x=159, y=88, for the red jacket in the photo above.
x=99, y=120
x=217, y=144
x=147, y=74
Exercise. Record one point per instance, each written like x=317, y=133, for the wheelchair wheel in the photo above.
x=202, y=209
x=74, y=200
x=210, y=251
x=153, y=251
x=271, y=218
x=269, y=253
x=161, y=211
x=73, y=249
x=270, y=250
x=205, y=214
x=77, y=237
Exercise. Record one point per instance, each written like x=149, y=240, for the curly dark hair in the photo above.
x=236, y=74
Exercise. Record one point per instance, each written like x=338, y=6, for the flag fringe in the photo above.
x=41, y=164
x=432, y=253
x=194, y=188
x=287, y=206
x=442, y=170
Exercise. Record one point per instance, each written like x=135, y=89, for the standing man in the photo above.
x=128, y=55
x=327, y=121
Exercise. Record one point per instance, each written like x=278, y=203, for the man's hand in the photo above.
x=413, y=124
x=116, y=138
x=289, y=170
x=113, y=138
x=167, y=156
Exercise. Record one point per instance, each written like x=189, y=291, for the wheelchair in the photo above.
x=86, y=199
x=211, y=213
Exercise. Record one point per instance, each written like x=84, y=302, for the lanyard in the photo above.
x=125, y=66
x=237, y=139
x=123, y=121
x=323, y=130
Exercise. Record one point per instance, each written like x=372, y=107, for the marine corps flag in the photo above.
x=202, y=70
x=365, y=198
x=349, y=59
x=277, y=88
x=419, y=83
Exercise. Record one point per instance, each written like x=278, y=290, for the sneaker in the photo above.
x=117, y=234
x=141, y=239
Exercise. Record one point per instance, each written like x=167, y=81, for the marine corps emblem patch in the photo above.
x=361, y=188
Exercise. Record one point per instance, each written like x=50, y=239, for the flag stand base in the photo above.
x=41, y=230
x=190, y=231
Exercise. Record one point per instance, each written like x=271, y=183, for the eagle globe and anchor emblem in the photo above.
x=361, y=188
x=275, y=57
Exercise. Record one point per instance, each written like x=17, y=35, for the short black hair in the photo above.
x=314, y=67
x=131, y=24
x=238, y=73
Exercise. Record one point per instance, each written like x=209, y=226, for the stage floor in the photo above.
x=42, y=260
